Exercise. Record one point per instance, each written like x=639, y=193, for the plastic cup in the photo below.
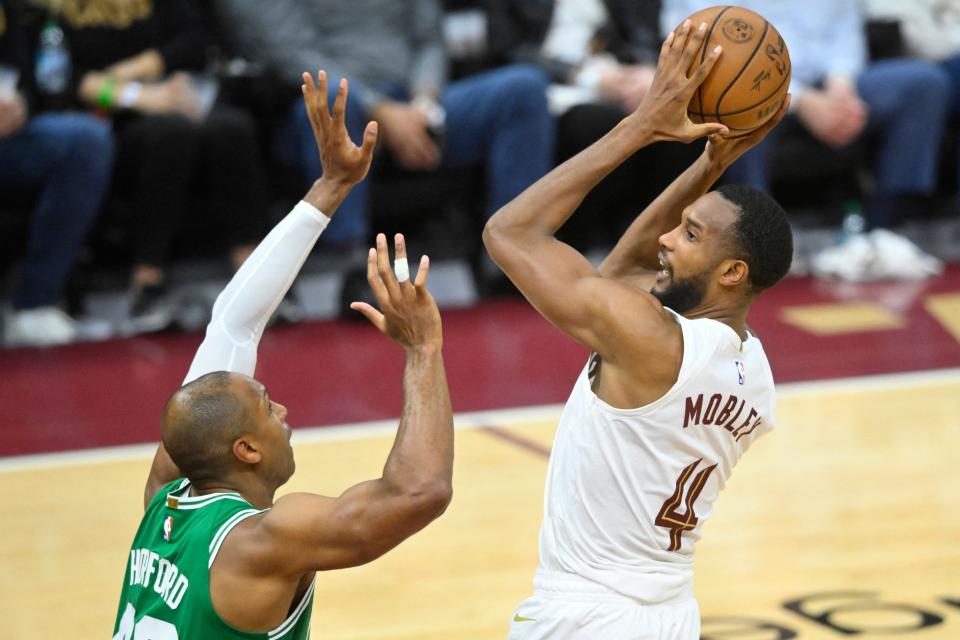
x=9, y=76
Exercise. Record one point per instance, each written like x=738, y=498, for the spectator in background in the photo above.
x=66, y=158
x=128, y=59
x=840, y=97
x=601, y=56
x=393, y=55
x=931, y=32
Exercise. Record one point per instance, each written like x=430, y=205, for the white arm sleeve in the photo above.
x=243, y=308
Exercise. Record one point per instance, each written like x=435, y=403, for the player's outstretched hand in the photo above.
x=408, y=314
x=664, y=108
x=342, y=161
x=723, y=152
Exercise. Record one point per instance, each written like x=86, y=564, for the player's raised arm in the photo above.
x=304, y=532
x=244, y=307
x=556, y=279
x=637, y=249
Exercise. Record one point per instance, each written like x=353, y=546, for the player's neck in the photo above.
x=733, y=317
x=257, y=494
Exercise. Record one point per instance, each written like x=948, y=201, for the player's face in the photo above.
x=690, y=253
x=274, y=434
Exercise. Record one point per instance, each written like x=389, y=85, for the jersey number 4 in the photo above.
x=670, y=517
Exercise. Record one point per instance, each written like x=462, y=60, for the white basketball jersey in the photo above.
x=628, y=491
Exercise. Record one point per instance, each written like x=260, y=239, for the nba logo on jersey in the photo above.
x=740, y=371
x=167, y=527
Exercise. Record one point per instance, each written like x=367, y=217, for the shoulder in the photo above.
x=636, y=316
x=642, y=339
x=259, y=538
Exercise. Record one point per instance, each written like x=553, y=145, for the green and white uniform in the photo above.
x=166, y=587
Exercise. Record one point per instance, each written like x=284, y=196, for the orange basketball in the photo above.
x=750, y=80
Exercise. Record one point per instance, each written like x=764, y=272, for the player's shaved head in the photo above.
x=202, y=420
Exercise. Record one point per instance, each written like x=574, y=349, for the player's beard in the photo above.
x=684, y=294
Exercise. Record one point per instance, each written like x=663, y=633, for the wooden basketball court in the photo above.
x=851, y=505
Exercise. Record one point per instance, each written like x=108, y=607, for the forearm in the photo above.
x=147, y=66
x=421, y=461
x=546, y=205
x=243, y=308
x=638, y=246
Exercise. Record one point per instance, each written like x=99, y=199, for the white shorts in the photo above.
x=565, y=606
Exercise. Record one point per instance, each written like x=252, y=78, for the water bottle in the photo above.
x=53, y=60
x=853, y=221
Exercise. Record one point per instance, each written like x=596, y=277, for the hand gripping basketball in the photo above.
x=664, y=108
x=750, y=82
x=723, y=151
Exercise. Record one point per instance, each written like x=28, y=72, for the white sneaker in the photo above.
x=40, y=327
x=878, y=255
x=855, y=260
x=900, y=259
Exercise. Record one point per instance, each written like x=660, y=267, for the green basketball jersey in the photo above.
x=166, y=587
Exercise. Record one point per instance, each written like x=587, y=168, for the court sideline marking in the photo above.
x=518, y=441
x=483, y=420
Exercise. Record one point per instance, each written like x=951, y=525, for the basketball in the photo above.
x=750, y=80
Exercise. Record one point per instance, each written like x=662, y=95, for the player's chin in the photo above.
x=662, y=280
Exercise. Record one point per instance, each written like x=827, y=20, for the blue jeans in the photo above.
x=907, y=102
x=68, y=157
x=497, y=119
x=952, y=67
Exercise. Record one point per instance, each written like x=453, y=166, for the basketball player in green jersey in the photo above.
x=215, y=556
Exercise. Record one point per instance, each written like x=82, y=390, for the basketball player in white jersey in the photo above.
x=677, y=387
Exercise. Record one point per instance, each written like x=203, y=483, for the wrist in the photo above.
x=424, y=350
x=710, y=165
x=106, y=96
x=129, y=95
x=326, y=194
x=639, y=128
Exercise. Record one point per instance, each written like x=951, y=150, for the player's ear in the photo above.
x=246, y=449
x=733, y=273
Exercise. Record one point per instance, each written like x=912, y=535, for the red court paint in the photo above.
x=498, y=354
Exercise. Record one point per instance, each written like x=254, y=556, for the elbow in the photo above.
x=494, y=237
x=443, y=497
x=490, y=232
x=432, y=499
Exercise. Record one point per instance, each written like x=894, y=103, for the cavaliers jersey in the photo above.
x=166, y=587
x=628, y=490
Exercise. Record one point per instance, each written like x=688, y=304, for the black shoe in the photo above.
x=490, y=281
x=289, y=311
x=150, y=310
x=355, y=288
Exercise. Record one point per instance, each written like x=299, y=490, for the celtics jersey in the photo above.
x=166, y=587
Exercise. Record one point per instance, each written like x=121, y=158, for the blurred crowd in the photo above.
x=133, y=132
